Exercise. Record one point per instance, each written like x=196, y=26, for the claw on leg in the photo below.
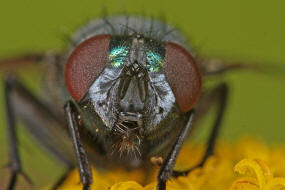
x=14, y=177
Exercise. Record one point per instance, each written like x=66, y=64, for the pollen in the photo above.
x=248, y=164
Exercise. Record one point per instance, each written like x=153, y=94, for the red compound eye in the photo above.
x=183, y=76
x=85, y=64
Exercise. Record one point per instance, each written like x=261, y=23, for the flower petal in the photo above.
x=257, y=167
x=128, y=185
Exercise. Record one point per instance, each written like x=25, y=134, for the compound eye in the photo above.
x=183, y=76
x=85, y=64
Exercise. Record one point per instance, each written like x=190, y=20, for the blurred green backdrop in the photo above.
x=237, y=30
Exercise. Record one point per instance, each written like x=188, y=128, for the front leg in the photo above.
x=166, y=169
x=38, y=120
x=84, y=168
x=217, y=96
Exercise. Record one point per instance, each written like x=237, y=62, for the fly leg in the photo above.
x=13, y=64
x=15, y=163
x=217, y=67
x=37, y=119
x=166, y=169
x=35, y=57
x=214, y=67
x=220, y=93
x=84, y=168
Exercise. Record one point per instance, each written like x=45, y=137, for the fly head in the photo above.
x=127, y=85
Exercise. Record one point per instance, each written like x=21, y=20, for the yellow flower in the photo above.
x=260, y=176
x=262, y=168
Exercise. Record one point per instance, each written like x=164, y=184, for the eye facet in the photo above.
x=183, y=76
x=85, y=64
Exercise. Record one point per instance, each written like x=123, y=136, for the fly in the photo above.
x=131, y=88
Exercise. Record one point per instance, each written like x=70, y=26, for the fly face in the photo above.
x=127, y=85
x=132, y=95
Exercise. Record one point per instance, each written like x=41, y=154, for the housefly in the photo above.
x=130, y=87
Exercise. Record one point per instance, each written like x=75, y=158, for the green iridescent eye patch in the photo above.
x=117, y=55
x=154, y=60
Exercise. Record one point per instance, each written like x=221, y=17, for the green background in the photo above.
x=243, y=30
